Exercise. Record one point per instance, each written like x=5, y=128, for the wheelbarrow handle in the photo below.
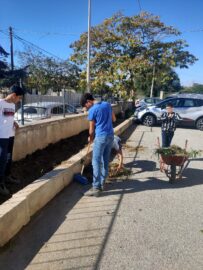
x=186, y=144
x=158, y=142
x=83, y=166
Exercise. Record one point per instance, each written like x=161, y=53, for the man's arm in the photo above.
x=15, y=125
x=113, y=117
x=163, y=117
x=91, y=131
x=178, y=117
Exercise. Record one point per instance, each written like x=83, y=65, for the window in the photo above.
x=57, y=110
x=174, y=102
x=30, y=110
x=70, y=109
x=189, y=103
x=148, y=100
x=199, y=102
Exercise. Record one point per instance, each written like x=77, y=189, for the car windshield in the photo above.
x=33, y=110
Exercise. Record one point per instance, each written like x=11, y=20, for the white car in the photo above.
x=42, y=110
x=188, y=106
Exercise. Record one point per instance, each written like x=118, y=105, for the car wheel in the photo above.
x=149, y=120
x=199, y=124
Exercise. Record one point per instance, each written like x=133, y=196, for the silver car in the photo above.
x=188, y=106
x=41, y=110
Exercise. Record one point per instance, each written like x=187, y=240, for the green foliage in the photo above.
x=47, y=73
x=3, y=64
x=175, y=150
x=8, y=77
x=124, y=51
x=195, y=88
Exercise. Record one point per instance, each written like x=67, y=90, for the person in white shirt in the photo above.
x=7, y=132
x=118, y=148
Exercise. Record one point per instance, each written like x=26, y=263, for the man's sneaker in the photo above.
x=3, y=190
x=93, y=192
x=12, y=180
x=103, y=187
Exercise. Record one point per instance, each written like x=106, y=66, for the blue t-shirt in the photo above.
x=101, y=114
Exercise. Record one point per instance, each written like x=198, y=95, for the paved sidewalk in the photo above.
x=141, y=222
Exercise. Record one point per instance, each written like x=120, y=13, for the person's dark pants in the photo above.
x=167, y=137
x=9, y=156
x=6, y=149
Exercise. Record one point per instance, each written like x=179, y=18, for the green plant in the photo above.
x=175, y=150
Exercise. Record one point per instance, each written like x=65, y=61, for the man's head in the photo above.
x=169, y=107
x=16, y=93
x=87, y=101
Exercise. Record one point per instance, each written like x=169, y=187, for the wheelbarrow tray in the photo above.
x=174, y=160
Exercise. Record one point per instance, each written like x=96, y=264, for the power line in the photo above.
x=139, y=4
x=3, y=32
x=193, y=31
x=45, y=33
x=26, y=42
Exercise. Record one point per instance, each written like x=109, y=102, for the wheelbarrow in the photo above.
x=173, y=165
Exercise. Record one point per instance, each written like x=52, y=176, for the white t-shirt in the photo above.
x=7, y=111
x=116, y=142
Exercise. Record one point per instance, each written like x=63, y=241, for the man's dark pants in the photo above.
x=167, y=137
x=6, y=149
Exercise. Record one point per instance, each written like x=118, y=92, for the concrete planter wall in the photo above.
x=36, y=136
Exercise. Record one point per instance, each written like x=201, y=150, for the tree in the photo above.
x=47, y=73
x=125, y=50
x=7, y=76
x=3, y=64
x=195, y=88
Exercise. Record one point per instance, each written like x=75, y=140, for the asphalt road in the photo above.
x=141, y=222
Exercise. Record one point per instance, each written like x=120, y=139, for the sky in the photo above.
x=54, y=25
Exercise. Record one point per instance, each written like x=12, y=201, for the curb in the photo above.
x=17, y=211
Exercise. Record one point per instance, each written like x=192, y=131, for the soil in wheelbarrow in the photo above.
x=42, y=161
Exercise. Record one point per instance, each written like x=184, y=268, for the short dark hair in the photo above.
x=169, y=105
x=85, y=98
x=17, y=90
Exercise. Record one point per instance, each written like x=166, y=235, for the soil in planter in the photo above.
x=42, y=161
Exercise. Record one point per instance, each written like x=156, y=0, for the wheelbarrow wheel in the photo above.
x=172, y=177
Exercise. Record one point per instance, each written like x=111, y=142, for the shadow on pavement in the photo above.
x=191, y=177
x=19, y=252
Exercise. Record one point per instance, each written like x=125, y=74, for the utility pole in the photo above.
x=22, y=104
x=153, y=78
x=88, y=47
x=11, y=47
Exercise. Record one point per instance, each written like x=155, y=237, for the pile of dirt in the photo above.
x=114, y=173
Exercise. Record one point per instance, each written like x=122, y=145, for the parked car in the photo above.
x=147, y=102
x=79, y=108
x=41, y=110
x=188, y=106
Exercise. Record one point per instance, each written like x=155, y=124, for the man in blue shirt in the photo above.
x=100, y=116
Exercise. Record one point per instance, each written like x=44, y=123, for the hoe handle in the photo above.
x=83, y=166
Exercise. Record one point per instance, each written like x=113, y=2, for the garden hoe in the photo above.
x=79, y=176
